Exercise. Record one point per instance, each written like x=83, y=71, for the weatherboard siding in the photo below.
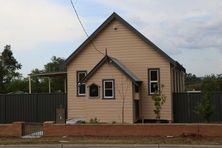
x=109, y=110
x=135, y=54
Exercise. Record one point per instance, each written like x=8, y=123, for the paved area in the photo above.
x=108, y=146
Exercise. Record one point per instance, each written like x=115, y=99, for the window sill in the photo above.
x=152, y=94
x=108, y=98
x=80, y=95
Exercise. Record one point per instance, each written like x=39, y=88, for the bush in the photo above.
x=159, y=99
x=205, y=108
x=93, y=120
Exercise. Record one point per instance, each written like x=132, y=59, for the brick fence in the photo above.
x=50, y=129
x=11, y=130
x=116, y=130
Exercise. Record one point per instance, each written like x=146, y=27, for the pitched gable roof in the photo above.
x=118, y=65
x=104, y=24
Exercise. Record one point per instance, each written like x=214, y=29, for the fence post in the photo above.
x=30, y=84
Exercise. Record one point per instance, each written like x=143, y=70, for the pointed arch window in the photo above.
x=93, y=90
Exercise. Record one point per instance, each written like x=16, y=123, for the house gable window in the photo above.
x=108, y=89
x=81, y=87
x=153, y=80
x=93, y=90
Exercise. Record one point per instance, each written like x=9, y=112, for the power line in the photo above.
x=94, y=46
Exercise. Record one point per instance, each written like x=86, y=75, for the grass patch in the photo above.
x=115, y=140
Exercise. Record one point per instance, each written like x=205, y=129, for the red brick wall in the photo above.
x=11, y=130
x=51, y=129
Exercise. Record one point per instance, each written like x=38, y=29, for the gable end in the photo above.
x=108, y=21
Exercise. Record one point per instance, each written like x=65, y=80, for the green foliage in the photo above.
x=94, y=120
x=210, y=84
x=18, y=85
x=40, y=84
x=8, y=68
x=55, y=65
x=192, y=82
x=205, y=108
x=159, y=99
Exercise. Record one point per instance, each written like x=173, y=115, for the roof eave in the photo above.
x=103, y=61
x=49, y=74
x=90, y=74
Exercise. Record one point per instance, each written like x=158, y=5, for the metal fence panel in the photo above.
x=47, y=105
x=2, y=108
x=184, y=105
x=217, y=106
x=30, y=107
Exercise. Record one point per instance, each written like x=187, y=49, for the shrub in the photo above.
x=93, y=120
x=159, y=99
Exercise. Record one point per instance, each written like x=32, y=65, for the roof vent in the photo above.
x=115, y=27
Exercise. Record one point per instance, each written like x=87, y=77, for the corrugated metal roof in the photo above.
x=50, y=74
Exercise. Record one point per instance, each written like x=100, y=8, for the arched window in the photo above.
x=93, y=90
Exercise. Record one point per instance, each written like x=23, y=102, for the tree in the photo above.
x=219, y=82
x=122, y=89
x=55, y=65
x=8, y=68
x=159, y=99
x=192, y=82
x=40, y=84
x=18, y=85
x=205, y=108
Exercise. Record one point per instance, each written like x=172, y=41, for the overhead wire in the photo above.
x=80, y=22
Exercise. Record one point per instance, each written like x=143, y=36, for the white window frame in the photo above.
x=153, y=81
x=78, y=83
x=104, y=89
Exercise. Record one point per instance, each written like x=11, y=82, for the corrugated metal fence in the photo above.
x=30, y=107
x=184, y=105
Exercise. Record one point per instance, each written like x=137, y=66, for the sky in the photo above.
x=189, y=31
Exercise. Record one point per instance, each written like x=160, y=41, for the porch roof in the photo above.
x=118, y=65
x=50, y=74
